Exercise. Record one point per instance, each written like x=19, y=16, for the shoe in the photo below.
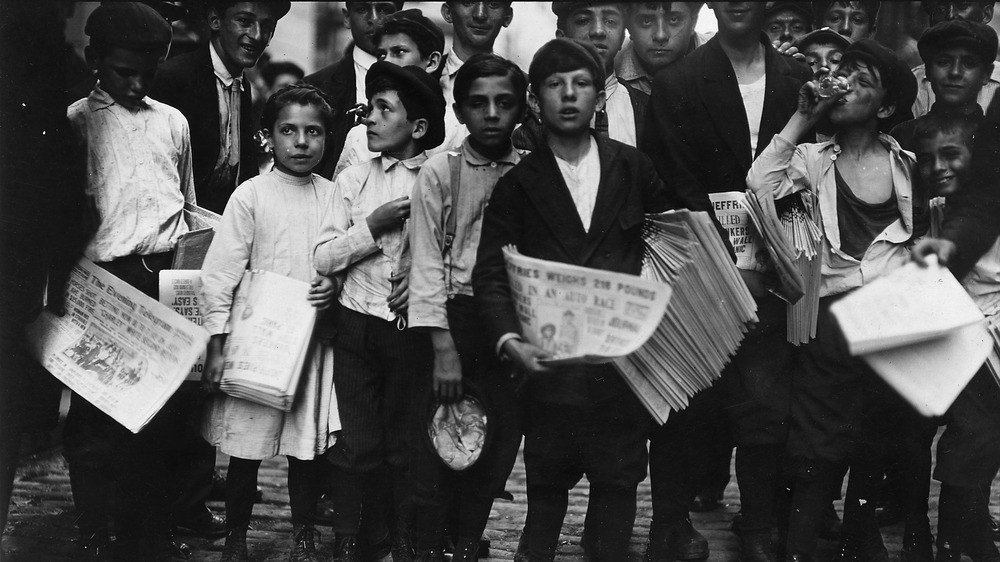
x=917, y=547
x=466, y=550
x=235, y=549
x=689, y=543
x=206, y=523
x=432, y=555
x=401, y=549
x=95, y=547
x=858, y=549
x=304, y=538
x=484, y=547
x=755, y=546
x=345, y=549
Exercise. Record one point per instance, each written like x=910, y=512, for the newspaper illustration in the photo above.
x=730, y=209
x=119, y=349
x=180, y=289
x=583, y=315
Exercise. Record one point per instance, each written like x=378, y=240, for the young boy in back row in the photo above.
x=579, y=199
x=448, y=202
x=139, y=175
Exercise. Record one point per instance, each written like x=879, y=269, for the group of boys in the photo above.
x=425, y=288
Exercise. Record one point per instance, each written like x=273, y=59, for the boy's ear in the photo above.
x=215, y=19
x=533, y=104
x=987, y=12
x=508, y=15
x=419, y=128
x=560, y=33
x=446, y=12
x=433, y=62
x=457, y=108
x=886, y=111
x=267, y=138
x=601, y=100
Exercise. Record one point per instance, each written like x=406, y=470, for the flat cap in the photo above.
x=416, y=81
x=895, y=75
x=823, y=35
x=979, y=38
x=804, y=9
x=132, y=25
x=413, y=22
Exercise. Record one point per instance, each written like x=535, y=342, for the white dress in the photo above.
x=270, y=223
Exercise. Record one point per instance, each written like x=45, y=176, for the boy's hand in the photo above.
x=389, y=216
x=943, y=249
x=400, y=296
x=525, y=356
x=447, y=376
x=214, y=360
x=322, y=291
x=789, y=50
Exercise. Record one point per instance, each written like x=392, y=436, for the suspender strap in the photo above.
x=455, y=184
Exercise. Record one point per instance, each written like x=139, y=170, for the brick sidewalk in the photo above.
x=41, y=520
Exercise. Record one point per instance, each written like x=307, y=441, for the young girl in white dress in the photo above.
x=271, y=223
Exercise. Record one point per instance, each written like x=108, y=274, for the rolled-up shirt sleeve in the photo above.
x=779, y=169
x=342, y=241
x=428, y=282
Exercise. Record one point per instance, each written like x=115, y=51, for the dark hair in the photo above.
x=424, y=39
x=296, y=94
x=565, y=55
x=931, y=124
x=870, y=6
x=902, y=112
x=632, y=7
x=928, y=5
x=272, y=70
x=415, y=109
x=562, y=18
x=487, y=64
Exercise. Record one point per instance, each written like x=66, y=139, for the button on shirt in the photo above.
x=346, y=245
x=440, y=277
x=139, y=173
x=784, y=169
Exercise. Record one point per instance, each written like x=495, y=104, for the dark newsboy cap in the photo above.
x=131, y=25
x=414, y=22
x=978, y=37
x=895, y=75
x=420, y=83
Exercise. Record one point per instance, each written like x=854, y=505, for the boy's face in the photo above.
x=362, y=18
x=739, y=18
x=864, y=100
x=298, y=139
x=981, y=12
x=389, y=128
x=491, y=111
x=477, y=24
x=566, y=101
x=243, y=32
x=601, y=25
x=126, y=75
x=785, y=26
x=661, y=36
x=822, y=57
x=956, y=75
x=401, y=50
x=942, y=161
x=849, y=19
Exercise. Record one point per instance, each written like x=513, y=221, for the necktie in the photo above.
x=234, y=121
x=601, y=124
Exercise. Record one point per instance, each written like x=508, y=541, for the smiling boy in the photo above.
x=364, y=239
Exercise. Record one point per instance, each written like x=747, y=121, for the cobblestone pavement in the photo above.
x=41, y=522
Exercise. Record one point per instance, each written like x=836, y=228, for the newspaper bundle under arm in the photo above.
x=583, y=315
x=920, y=331
x=122, y=351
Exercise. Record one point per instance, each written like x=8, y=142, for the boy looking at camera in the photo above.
x=364, y=239
x=448, y=201
x=660, y=33
x=578, y=198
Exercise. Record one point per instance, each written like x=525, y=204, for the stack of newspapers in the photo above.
x=271, y=326
x=707, y=317
x=807, y=239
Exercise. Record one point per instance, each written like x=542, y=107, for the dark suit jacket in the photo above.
x=188, y=83
x=532, y=208
x=698, y=136
x=337, y=82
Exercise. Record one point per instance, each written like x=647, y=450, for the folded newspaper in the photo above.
x=193, y=244
x=122, y=351
x=920, y=331
x=271, y=326
x=180, y=289
x=582, y=315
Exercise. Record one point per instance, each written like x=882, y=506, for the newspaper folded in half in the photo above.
x=193, y=244
x=920, y=331
x=180, y=289
x=583, y=315
x=271, y=327
x=122, y=351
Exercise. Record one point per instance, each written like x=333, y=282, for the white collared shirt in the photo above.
x=345, y=244
x=223, y=81
x=139, y=173
x=362, y=62
x=621, y=115
x=454, y=132
x=583, y=180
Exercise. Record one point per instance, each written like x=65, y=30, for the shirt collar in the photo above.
x=363, y=58
x=938, y=109
x=221, y=72
x=627, y=67
x=99, y=99
x=474, y=158
x=414, y=163
x=610, y=85
x=887, y=141
x=452, y=64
